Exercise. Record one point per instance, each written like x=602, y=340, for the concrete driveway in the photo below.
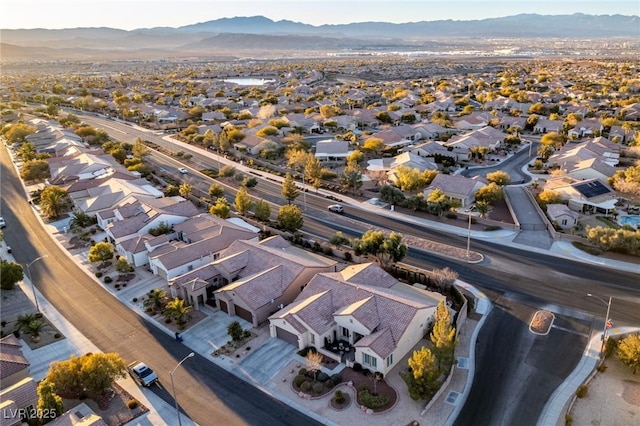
x=266, y=361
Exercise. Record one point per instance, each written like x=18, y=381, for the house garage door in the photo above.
x=223, y=306
x=287, y=336
x=244, y=314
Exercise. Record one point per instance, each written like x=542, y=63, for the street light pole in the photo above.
x=606, y=320
x=173, y=388
x=469, y=236
x=33, y=287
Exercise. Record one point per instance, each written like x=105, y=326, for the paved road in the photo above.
x=520, y=370
x=206, y=391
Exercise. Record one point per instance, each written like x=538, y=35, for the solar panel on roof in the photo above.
x=591, y=189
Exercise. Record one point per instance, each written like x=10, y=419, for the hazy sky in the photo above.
x=131, y=14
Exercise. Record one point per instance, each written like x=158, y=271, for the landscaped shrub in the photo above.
x=57, y=336
x=357, y=367
x=134, y=300
x=371, y=401
x=339, y=398
x=305, y=386
x=302, y=371
x=336, y=379
x=602, y=368
x=132, y=404
x=298, y=380
x=323, y=377
x=582, y=391
x=98, y=274
x=107, y=279
x=318, y=388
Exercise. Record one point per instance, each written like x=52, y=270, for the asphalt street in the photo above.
x=206, y=390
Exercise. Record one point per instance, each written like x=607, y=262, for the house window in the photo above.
x=313, y=339
x=345, y=332
x=369, y=360
x=564, y=221
x=216, y=256
x=389, y=360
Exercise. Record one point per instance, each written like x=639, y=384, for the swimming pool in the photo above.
x=630, y=220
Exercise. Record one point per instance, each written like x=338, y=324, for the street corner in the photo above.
x=541, y=322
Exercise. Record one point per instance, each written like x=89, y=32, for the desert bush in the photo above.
x=336, y=379
x=107, y=279
x=323, y=377
x=299, y=380
x=318, y=388
x=98, y=274
x=371, y=401
x=305, y=386
x=132, y=404
x=339, y=397
x=582, y=391
x=602, y=368
x=302, y=372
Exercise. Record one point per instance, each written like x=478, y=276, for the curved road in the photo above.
x=206, y=390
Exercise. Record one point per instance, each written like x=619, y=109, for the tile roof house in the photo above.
x=261, y=277
x=137, y=214
x=456, y=187
x=487, y=137
x=80, y=415
x=14, y=366
x=201, y=240
x=17, y=389
x=593, y=159
x=375, y=318
x=332, y=150
x=562, y=215
x=586, y=196
x=82, y=164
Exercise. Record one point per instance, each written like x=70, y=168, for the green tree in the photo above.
x=185, y=190
x=35, y=170
x=392, y=195
x=16, y=133
x=235, y=331
x=122, y=265
x=262, y=210
x=499, y=177
x=549, y=196
x=290, y=190
x=221, y=208
x=92, y=373
x=351, y=177
x=423, y=374
x=312, y=169
x=545, y=151
x=216, y=191
x=373, y=145
x=10, y=274
x=443, y=337
x=140, y=150
x=80, y=220
x=156, y=300
x=177, y=311
x=491, y=193
x=553, y=139
x=409, y=179
x=53, y=201
x=101, y=252
x=171, y=191
x=290, y=218
x=26, y=152
x=629, y=351
x=374, y=243
x=243, y=201
x=48, y=402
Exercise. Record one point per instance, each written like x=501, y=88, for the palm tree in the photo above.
x=482, y=207
x=80, y=220
x=53, y=200
x=23, y=321
x=178, y=311
x=156, y=299
x=34, y=328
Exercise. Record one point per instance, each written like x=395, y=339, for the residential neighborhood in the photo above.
x=341, y=239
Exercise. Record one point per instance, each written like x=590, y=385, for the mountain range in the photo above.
x=258, y=33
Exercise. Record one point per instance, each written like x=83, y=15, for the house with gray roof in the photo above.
x=332, y=150
x=18, y=390
x=456, y=187
x=358, y=315
x=260, y=277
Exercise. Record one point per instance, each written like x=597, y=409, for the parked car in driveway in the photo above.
x=141, y=373
x=336, y=208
